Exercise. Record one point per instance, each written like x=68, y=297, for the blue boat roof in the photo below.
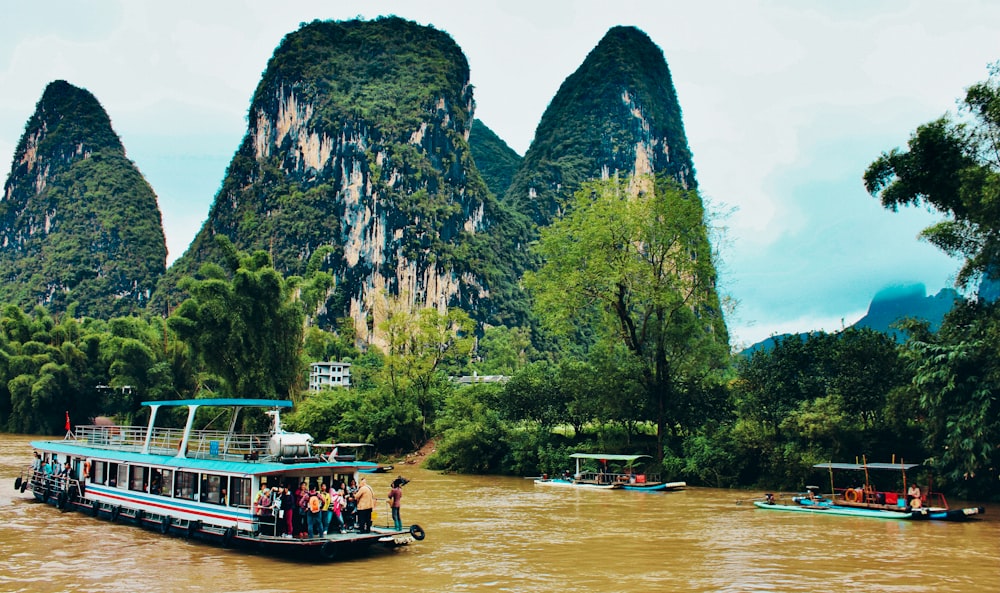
x=73, y=448
x=227, y=402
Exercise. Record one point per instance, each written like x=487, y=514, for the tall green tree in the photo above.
x=420, y=346
x=956, y=381
x=245, y=325
x=637, y=268
x=953, y=166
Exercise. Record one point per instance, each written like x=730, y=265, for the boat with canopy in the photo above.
x=613, y=472
x=864, y=499
x=220, y=486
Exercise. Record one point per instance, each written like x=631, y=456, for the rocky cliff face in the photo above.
x=617, y=115
x=78, y=222
x=356, y=162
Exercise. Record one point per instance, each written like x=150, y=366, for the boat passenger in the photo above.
x=913, y=493
x=262, y=502
x=314, y=506
x=365, y=497
x=301, y=509
x=287, y=511
x=337, y=504
x=395, y=502
x=326, y=512
x=351, y=515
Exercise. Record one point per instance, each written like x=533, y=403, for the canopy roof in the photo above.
x=608, y=457
x=863, y=466
x=227, y=402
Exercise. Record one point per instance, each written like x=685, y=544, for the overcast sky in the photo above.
x=785, y=104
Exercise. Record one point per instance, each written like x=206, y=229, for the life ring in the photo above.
x=165, y=525
x=115, y=512
x=915, y=503
x=417, y=532
x=17, y=483
x=851, y=495
x=328, y=551
x=227, y=537
x=24, y=485
x=86, y=468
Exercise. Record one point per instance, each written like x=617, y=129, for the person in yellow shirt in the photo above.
x=326, y=513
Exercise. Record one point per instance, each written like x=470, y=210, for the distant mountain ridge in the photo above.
x=890, y=305
x=78, y=222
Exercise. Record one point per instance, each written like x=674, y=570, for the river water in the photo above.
x=509, y=535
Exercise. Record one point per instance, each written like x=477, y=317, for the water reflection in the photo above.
x=507, y=534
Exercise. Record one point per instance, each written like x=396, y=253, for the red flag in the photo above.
x=67, y=420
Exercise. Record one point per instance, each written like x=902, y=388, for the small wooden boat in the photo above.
x=911, y=504
x=212, y=485
x=624, y=477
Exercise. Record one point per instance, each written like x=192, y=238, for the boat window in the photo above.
x=137, y=479
x=211, y=488
x=155, y=481
x=122, y=480
x=186, y=485
x=99, y=471
x=239, y=494
x=167, y=481
x=113, y=475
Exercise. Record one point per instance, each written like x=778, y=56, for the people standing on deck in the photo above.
x=337, y=504
x=314, y=506
x=262, y=501
x=351, y=516
x=302, y=510
x=395, y=502
x=326, y=512
x=913, y=494
x=288, y=508
x=365, y=498
x=36, y=464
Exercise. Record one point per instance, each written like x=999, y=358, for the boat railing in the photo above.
x=617, y=478
x=206, y=444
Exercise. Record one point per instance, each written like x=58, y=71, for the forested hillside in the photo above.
x=356, y=165
x=78, y=222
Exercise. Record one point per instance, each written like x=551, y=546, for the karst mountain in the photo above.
x=79, y=225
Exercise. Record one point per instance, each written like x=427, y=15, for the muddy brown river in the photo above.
x=509, y=535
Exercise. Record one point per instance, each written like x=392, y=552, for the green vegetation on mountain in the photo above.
x=496, y=161
x=78, y=224
x=357, y=147
x=620, y=98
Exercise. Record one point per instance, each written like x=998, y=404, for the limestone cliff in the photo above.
x=357, y=155
x=617, y=114
x=78, y=222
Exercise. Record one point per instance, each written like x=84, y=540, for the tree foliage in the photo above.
x=638, y=270
x=952, y=166
x=247, y=329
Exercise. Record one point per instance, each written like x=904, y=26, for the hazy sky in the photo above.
x=785, y=104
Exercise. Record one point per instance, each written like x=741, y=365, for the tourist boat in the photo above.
x=623, y=477
x=865, y=500
x=201, y=484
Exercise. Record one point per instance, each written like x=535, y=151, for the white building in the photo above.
x=329, y=374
